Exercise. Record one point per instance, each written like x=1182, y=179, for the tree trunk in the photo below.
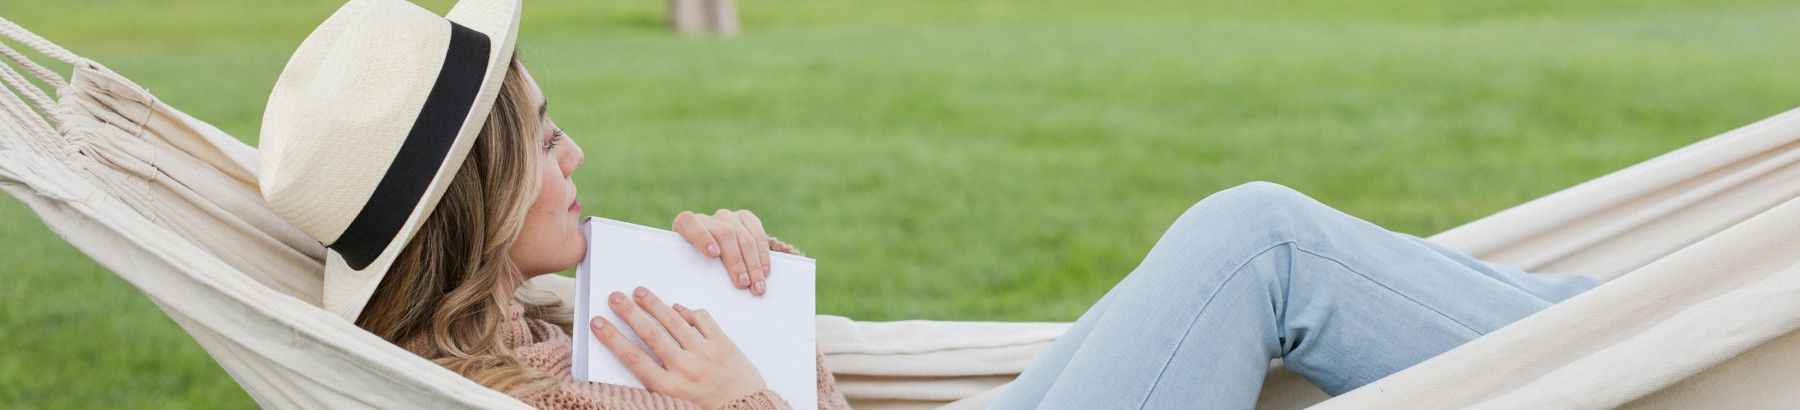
x=688, y=17
x=722, y=17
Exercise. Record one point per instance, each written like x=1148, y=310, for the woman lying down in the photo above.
x=422, y=152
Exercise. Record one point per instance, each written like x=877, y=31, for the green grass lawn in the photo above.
x=959, y=159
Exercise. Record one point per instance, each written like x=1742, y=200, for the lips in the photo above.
x=574, y=200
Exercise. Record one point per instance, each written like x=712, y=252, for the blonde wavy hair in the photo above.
x=452, y=283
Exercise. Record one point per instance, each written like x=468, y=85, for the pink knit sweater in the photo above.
x=546, y=347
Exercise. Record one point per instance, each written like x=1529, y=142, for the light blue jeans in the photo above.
x=1260, y=272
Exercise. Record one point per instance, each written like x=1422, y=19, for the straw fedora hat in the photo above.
x=369, y=121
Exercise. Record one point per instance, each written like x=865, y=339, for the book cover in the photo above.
x=774, y=330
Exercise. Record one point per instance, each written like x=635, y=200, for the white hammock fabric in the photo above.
x=1701, y=309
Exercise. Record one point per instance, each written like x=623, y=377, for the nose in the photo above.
x=572, y=158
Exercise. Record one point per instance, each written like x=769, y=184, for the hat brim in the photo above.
x=347, y=290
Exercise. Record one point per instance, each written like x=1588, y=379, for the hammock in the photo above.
x=1701, y=308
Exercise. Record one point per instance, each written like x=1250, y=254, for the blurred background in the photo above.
x=961, y=159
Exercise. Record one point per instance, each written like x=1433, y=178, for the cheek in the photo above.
x=552, y=197
x=551, y=239
x=559, y=240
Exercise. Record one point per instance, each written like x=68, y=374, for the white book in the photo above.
x=774, y=330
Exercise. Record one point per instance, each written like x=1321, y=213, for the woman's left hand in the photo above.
x=736, y=238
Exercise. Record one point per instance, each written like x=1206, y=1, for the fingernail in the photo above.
x=743, y=279
x=597, y=322
x=617, y=298
x=758, y=287
x=679, y=308
x=640, y=292
x=712, y=250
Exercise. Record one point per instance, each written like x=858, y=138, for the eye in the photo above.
x=555, y=137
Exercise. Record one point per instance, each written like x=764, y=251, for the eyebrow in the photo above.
x=543, y=109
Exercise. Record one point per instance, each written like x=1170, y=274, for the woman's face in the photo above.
x=551, y=240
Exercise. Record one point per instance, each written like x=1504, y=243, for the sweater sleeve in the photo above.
x=765, y=399
x=829, y=397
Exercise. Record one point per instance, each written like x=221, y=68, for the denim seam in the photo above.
x=1389, y=288
x=1145, y=401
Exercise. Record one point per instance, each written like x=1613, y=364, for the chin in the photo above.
x=576, y=252
x=540, y=252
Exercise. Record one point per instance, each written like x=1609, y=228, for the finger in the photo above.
x=762, y=239
x=703, y=321
x=751, y=252
x=732, y=251
x=692, y=317
x=752, y=258
x=634, y=359
x=683, y=332
x=753, y=266
x=647, y=328
x=689, y=226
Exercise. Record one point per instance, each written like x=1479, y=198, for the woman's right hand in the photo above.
x=699, y=363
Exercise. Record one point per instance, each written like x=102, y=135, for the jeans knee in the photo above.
x=1259, y=201
x=1258, y=195
x=1232, y=226
x=1252, y=212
